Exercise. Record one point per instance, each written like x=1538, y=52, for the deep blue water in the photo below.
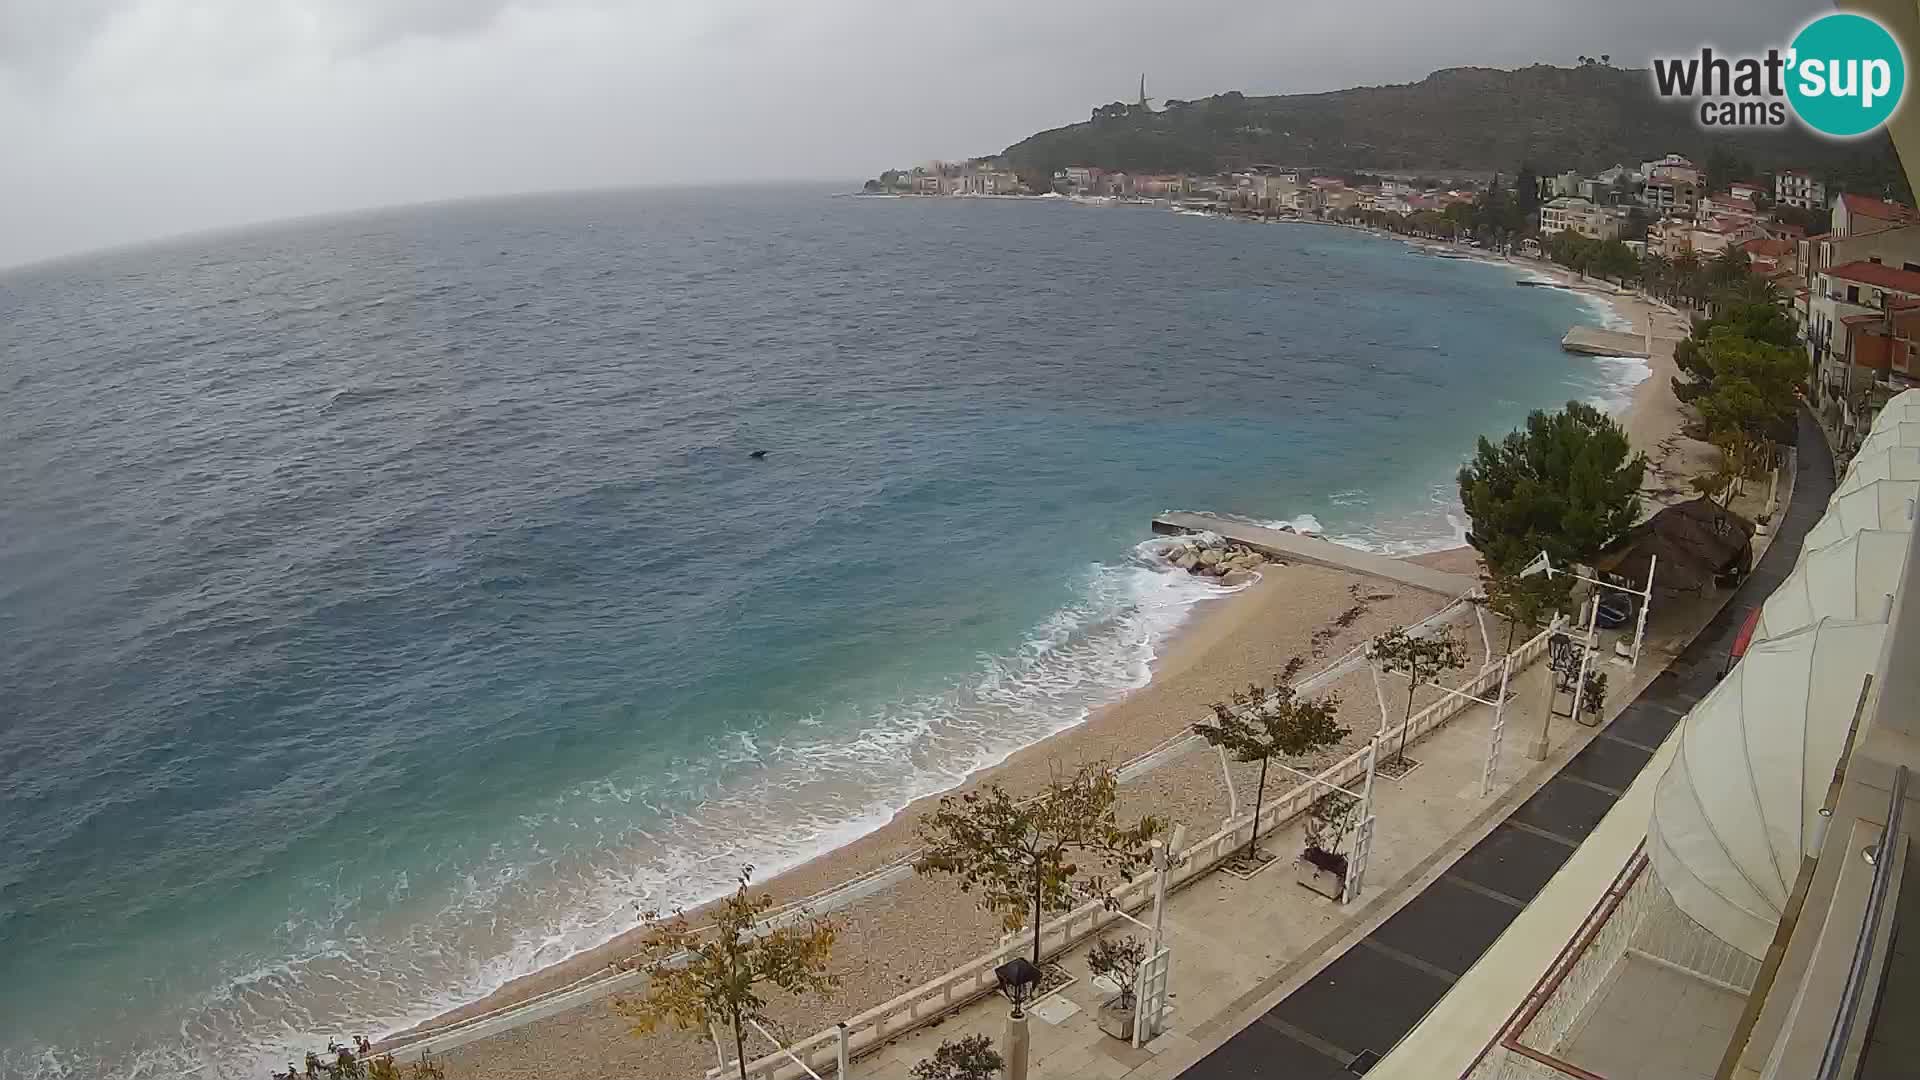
x=389, y=602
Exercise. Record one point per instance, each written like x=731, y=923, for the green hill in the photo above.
x=1459, y=120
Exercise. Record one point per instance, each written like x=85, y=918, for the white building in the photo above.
x=1569, y=213
x=1797, y=187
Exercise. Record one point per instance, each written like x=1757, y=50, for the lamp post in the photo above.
x=1541, y=564
x=1018, y=980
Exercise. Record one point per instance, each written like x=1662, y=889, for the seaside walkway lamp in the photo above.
x=1541, y=564
x=1019, y=981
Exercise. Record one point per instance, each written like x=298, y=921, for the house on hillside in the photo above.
x=1846, y=292
x=1859, y=215
x=1769, y=256
x=1573, y=214
x=1797, y=187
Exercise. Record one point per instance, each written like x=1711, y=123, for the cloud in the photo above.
x=129, y=119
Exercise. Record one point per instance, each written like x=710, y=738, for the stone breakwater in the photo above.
x=1212, y=555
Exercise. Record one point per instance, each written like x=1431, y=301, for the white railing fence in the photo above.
x=889, y=1020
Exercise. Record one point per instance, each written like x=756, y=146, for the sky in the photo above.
x=127, y=120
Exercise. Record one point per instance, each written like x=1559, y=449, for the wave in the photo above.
x=770, y=799
x=1619, y=377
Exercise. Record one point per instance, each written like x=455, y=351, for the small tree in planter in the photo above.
x=1329, y=824
x=1118, y=959
x=1594, y=697
x=725, y=969
x=1421, y=660
x=1259, y=724
x=1023, y=857
x=971, y=1058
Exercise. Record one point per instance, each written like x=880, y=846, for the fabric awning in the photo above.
x=1904, y=433
x=1739, y=805
x=1854, y=578
x=1889, y=463
x=1882, y=504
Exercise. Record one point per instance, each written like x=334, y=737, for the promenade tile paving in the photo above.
x=1451, y=871
x=1368, y=1003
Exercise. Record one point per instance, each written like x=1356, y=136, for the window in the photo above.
x=1853, y=294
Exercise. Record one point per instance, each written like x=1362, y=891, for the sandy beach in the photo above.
x=919, y=928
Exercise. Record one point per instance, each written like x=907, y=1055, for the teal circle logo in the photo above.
x=1847, y=75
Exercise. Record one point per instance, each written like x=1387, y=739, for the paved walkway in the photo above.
x=1359, y=1005
x=1594, y=341
x=1306, y=549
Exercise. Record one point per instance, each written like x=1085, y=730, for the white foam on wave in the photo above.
x=587, y=865
x=1620, y=376
x=1303, y=523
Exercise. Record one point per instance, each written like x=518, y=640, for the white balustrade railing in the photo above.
x=888, y=1020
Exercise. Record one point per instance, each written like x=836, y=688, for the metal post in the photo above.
x=719, y=1055
x=1379, y=693
x=1486, y=640
x=1363, y=840
x=1537, y=749
x=1161, y=859
x=1640, y=626
x=1586, y=657
x=1233, y=801
x=846, y=1058
x=1499, y=728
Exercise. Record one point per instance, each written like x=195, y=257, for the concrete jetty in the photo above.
x=1594, y=341
x=1296, y=548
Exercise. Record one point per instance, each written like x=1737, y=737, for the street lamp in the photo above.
x=1019, y=980
x=1541, y=564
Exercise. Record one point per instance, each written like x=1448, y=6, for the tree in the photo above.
x=1421, y=660
x=1260, y=723
x=1526, y=194
x=1567, y=484
x=1743, y=384
x=1120, y=961
x=702, y=978
x=971, y=1058
x=1522, y=600
x=1022, y=857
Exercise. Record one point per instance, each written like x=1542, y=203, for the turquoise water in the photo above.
x=396, y=604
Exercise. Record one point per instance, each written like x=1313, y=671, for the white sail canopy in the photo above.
x=1903, y=406
x=1882, y=504
x=1853, y=579
x=1889, y=463
x=1900, y=433
x=1740, y=804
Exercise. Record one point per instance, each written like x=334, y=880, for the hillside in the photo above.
x=1459, y=119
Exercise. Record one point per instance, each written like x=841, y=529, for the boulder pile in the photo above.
x=1212, y=555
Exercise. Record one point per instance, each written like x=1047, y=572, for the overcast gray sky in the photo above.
x=122, y=120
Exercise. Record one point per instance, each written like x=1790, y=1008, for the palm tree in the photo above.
x=1656, y=273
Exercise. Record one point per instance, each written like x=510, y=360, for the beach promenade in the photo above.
x=1269, y=980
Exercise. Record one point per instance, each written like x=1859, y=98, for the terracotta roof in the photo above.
x=1766, y=247
x=1884, y=277
x=1881, y=209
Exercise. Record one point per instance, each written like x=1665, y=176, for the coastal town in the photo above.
x=1844, y=264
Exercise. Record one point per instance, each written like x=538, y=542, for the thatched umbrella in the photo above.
x=1696, y=543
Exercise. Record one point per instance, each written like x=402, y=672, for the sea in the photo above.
x=392, y=603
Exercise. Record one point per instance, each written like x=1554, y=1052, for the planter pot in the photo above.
x=1117, y=1019
x=1319, y=880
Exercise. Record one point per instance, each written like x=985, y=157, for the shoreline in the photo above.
x=1218, y=643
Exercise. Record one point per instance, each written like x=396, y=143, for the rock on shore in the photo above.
x=1212, y=555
